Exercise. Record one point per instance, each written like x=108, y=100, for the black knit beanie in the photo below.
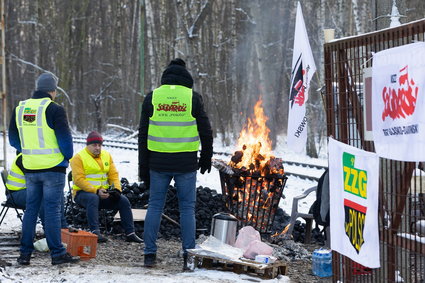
x=177, y=74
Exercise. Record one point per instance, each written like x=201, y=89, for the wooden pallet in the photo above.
x=268, y=271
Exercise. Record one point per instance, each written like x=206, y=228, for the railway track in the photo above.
x=9, y=247
x=291, y=167
x=110, y=143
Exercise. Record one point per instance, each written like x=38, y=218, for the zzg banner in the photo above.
x=398, y=90
x=353, y=186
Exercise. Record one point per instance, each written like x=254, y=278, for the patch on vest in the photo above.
x=29, y=115
x=174, y=107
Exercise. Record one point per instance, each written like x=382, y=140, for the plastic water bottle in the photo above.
x=322, y=262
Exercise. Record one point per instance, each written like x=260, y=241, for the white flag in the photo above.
x=303, y=68
x=353, y=199
x=398, y=103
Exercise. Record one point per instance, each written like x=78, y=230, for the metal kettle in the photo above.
x=223, y=227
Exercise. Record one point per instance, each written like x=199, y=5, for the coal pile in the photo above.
x=317, y=235
x=208, y=203
x=76, y=217
x=137, y=194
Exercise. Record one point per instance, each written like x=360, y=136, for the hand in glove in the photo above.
x=144, y=176
x=204, y=164
x=114, y=193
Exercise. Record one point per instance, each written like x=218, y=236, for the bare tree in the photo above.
x=236, y=50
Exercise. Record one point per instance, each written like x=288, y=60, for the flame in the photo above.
x=254, y=140
x=255, y=185
x=284, y=231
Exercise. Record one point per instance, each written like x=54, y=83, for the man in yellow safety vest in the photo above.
x=93, y=172
x=173, y=124
x=39, y=129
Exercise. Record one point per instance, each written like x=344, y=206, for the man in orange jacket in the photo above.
x=93, y=172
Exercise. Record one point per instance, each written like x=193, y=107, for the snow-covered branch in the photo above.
x=35, y=66
x=249, y=19
x=192, y=31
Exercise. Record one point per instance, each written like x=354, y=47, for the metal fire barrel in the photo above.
x=223, y=227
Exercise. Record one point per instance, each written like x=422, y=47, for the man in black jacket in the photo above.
x=39, y=129
x=172, y=125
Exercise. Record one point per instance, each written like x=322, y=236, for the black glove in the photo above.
x=114, y=194
x=205, y=164
x=144, y=175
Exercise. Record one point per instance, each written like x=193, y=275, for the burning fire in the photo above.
x=283, y=233
x=253, y=181
x=256, y=154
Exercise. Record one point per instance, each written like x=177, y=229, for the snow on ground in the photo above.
x=126, y=162
x=106, y=274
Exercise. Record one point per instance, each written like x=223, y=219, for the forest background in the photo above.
x=108, y=54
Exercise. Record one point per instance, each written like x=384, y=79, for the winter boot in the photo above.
x=24, y=259
x=187, y=263
x=100, y=238
x=150, y=260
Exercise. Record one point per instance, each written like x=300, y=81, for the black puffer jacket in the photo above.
x=174, y=74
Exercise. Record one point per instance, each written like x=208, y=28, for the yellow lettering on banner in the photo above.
x=363, y=184
x=360, y=226
x=355, y=181
x=354, y=228
x=354, y=187
x=347, y=186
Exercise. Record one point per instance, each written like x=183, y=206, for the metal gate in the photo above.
x=401, y=184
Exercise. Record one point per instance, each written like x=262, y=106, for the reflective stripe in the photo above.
x=21, y=134
x=16, y=184
x=41, y=137
x=16, y=175
x=173, y=140
x=20, y=112
x=93, y=176
x=41, y=151
x=40, y=125
x=39, y=120
x=97, y=183
x=180, y=124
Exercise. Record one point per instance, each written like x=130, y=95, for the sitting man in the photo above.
x=93, y=172
x=16, y=193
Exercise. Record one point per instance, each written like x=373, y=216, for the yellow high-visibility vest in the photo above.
x=40, y=149
x=172, y=128
x=16, y=178
x=95, y=175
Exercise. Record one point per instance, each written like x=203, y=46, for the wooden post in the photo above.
x=3, y=82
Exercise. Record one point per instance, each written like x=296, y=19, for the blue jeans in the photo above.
x=186, y=193
x=92, y=203
x=20, y=199
x=44, y=187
